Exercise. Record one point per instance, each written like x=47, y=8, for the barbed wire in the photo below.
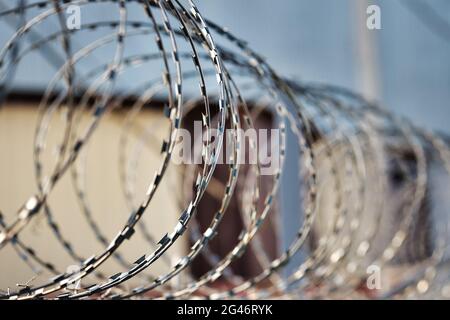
x=364, y=173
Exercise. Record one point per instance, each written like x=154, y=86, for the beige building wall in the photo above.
x=104, y=191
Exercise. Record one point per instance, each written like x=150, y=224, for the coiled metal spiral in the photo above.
x=365, y=174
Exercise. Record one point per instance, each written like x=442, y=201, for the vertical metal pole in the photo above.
x=366, y=52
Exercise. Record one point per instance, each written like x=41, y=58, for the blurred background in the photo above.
x=405, y=66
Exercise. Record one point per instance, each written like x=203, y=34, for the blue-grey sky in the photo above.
x=317, y=40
